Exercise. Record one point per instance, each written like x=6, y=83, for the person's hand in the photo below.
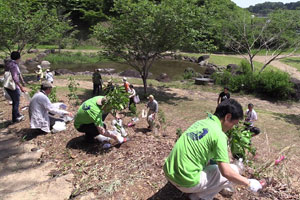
x=70, y=114
x=23, y=89
x=254, y=185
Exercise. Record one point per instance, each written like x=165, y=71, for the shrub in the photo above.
x=268, y=83
x=188, y=75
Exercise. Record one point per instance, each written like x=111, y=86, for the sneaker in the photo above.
x=20, y=118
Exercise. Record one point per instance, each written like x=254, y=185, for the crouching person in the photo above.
x=89, y=119
x=153, y=110
x=186, y=166
x=39, y=108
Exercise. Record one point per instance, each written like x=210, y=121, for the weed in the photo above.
x=179, y=132
x=73, y=87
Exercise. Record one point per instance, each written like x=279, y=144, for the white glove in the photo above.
x=254, y=185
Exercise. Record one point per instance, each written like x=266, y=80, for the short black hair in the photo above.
x=229, y=106
x=250, y=105
x=226, y=88
x=15, y=55
x=131, y=86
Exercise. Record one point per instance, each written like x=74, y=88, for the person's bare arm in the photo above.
x=231, y=175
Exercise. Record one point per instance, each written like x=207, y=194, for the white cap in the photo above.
x=124, y=79
x=39, y=66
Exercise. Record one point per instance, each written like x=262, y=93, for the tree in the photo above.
x=24, y=23
x=276, y=34
x=144, y=29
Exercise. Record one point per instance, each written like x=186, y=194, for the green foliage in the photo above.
x=188, y=75
x=73, y=87
x=132, y=108
x=240, y=141
x=273, y=84
x=24, y=23
x=52, y=96
x=117, y=99
x=145, y=29
x=161, y=117
x=67, y=58
x=36, y=87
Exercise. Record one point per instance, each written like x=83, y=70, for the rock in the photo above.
x=45, y=64
x=59, y=72
x=23, y=69
x=232, y=67
x=30, y=63
x=84, y=73
x=202, y=58
x=88, y=196
x=130, y=73
x=47, y=51
x=203, y=63
x=163, y=78
x=40, y=56
x=210, y=69
x=33, y=51
x=203, y=81
x=107, y=70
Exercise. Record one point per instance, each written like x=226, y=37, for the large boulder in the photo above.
x=59, y=72
x=23, y=69
x=202, y=58
x=232, y=67
x=107, y=70
x=45, y=64
x=31, y=63
x=33, y=51
x=40, y=56
x=210, y=69
x=163, y=78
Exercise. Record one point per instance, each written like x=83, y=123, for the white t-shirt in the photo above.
x=251, y=116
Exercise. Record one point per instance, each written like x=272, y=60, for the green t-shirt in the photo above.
x=89, y=112
x=203, y=141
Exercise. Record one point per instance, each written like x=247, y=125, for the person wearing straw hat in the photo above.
x=39, y=108
x=152, y=105
x=89, y=120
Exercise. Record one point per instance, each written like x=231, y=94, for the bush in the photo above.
x=268, y=83
x=188, y=75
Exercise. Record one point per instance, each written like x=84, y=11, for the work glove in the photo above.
x=254, y=185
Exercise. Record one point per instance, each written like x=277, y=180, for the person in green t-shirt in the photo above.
x=187, y=165
x=89, y=119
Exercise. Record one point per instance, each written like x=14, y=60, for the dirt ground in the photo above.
x=134, y=170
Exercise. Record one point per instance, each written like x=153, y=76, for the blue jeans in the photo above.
x=15, y=97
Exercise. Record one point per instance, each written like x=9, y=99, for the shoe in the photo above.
x=20, y=118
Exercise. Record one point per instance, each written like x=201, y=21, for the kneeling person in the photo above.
x=89, y=119
x=39, y=108
x=187, y=165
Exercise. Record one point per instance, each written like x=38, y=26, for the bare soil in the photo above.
x=134, y=169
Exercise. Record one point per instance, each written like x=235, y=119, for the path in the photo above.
x=22, y=176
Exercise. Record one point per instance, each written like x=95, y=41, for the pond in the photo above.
x=174, y=68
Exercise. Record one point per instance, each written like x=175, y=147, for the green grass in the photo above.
x=73, y=58
x=293, y=62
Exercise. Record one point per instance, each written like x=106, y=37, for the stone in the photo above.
x=31, y=64
x=23, y=69
x=33, y=51
x=40, y=56
x=202, y=58
x=62, y=72
x=45, y=64
x=163, y=78
x=203, y=81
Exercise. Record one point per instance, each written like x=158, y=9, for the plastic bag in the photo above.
x=144, y=113
x=136, y=99
x=59, y=126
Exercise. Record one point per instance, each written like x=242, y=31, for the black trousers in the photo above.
x=97, y=90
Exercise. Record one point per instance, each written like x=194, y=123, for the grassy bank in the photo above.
x=293, y=62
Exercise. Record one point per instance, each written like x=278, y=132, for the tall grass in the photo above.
x=73, y=58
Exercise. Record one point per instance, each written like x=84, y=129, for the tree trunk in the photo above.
x=145, y=84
